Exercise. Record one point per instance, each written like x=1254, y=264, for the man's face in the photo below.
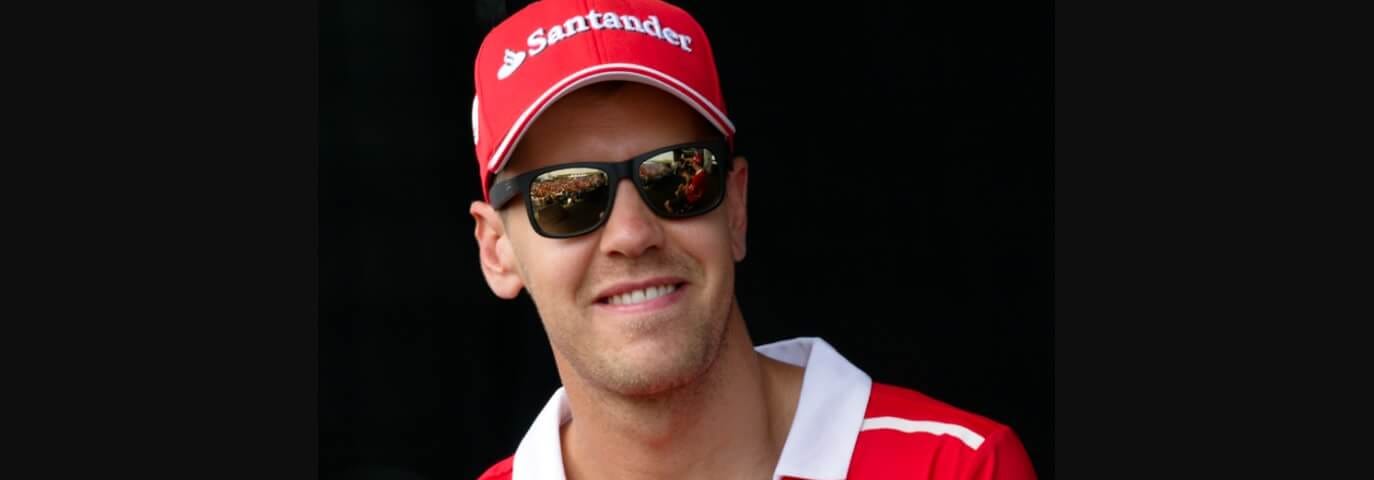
x=625, y=344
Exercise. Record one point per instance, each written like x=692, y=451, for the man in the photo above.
x=660, y=377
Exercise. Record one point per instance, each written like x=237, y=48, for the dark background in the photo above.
x=1209, y=266
x=901, y=207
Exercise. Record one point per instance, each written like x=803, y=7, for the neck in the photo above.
x=729, y=423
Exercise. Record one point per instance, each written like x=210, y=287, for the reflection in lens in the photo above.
x=654, y=169
x=569, y=200
x=692, y=185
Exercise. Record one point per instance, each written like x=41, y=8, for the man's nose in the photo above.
x=633, y=229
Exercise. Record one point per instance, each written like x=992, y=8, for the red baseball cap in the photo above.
x=553, y=47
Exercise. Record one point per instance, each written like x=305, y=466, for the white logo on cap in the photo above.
x=512, y=62
x=593, y=20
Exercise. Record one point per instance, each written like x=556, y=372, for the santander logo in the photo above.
x=541, y=39
x=510, y=63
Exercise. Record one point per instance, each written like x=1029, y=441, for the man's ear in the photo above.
x=736, y=198
x=495, y=252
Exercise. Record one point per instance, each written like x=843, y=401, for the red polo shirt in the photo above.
x=846, y=427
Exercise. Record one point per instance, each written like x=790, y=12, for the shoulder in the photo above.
x=500, y=471
x=908, y=431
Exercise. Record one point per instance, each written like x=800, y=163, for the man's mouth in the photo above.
x=638, y=294
x=642, y=295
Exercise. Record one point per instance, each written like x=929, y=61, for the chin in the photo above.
x=653, y=378
x=652, y=368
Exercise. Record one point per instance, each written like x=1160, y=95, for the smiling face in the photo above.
x=640, y=305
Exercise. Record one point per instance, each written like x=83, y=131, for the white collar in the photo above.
x=834, y=397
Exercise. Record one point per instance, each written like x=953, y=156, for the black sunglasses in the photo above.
x=572, y=199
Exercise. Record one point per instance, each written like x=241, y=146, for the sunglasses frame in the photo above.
x=505, y=191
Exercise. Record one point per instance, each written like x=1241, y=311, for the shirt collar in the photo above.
x=834, y=397
x=540, y=454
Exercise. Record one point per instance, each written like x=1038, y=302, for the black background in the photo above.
x=164, y=300
x=901, y=207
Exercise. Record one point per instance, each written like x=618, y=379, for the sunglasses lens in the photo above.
x=570, y=200
x=682, y=182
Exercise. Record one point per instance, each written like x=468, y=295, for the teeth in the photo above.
x=642, y=295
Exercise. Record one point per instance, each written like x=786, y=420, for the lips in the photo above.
x=633, y=293
x=642, y=295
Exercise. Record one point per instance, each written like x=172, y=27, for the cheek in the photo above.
x=707, y=241
x=552, y=272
